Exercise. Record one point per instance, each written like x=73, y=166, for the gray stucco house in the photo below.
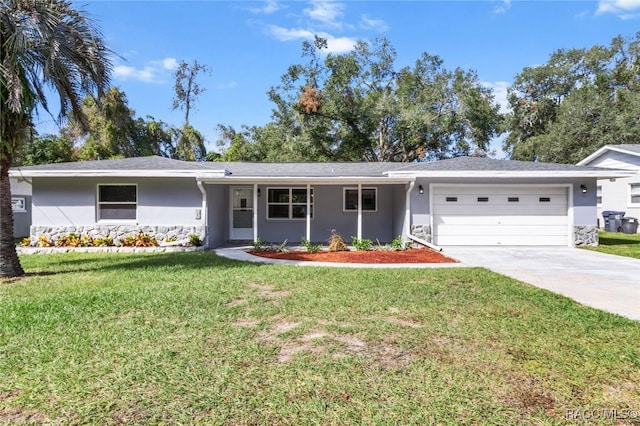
x=460, y=201
x=622, y=194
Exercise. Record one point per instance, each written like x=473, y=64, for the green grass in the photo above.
x=191, y=338
x=618, y=243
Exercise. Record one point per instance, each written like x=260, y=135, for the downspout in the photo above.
x=407, y=221
x=205, y=212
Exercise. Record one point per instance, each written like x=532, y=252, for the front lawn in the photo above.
x=191, y=338
x=618, y=243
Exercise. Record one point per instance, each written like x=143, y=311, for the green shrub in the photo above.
x=195, y=240
x=259, y=244
x=336, y=243
x=361, y=244
x=311, y=248
x=398, y=244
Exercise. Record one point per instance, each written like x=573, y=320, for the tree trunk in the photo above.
x=9, y=262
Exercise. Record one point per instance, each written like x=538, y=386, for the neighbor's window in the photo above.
x=117, y=202
x=369, y=199
x=599, y=194
x=288, y=203
x=18, y=204
x=634, y=190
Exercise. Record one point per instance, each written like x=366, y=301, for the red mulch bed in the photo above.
x=421, y=255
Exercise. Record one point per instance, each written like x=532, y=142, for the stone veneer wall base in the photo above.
x=585, y=235
x=118, y=232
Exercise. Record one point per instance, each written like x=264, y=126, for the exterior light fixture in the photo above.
x=259, y=192
x=420, y=189
x=583, y=188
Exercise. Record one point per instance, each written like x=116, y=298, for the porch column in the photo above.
x=308, y=212
x=359, y=211
x=255, y=212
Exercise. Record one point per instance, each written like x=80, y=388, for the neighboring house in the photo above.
x=461, y=201
x=617, y=194
x=21, y=204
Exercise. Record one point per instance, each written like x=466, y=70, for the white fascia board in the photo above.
x=604, y=173
x=604, y=149
x=318, y=180
x=118, y=173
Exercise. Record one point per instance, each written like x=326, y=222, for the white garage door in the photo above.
x=500, y=215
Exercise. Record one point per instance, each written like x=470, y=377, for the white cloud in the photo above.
x=327, y=12
x=503, y=7
x=229, y=85
x=623, y=8
x=500, y=94
x=269, y=7
x=373, y=24
x=152, y=72
x=169, y=64
x=334, y=44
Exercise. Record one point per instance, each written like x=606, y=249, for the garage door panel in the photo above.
x=482, y=209
x=500, y=230
x=499, y=189
x=513, y=240
x=504, y=220
x=500, y=215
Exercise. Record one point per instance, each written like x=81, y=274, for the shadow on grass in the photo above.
x=617, y=241
x=92, y=262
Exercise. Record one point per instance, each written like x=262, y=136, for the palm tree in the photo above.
x=44, y=45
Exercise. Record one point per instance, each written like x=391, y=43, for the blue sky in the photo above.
x=249, y=44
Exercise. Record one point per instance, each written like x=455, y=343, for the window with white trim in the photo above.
x=288, y=203
x=599, y=194
x=369, y=199
x=19, y=204
x=117, y=202
x=634, y=193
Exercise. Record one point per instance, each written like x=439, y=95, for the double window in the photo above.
x=369, y=199
x=288, y=203
x=117, y=202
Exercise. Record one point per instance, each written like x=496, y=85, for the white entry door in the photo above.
x=241, y=220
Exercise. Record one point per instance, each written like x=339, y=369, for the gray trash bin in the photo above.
x=630, y=225
x=612, y=220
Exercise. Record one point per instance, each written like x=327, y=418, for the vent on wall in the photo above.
x=513, y=199
x=483, y=199
x=544, y=199
x=452, y=199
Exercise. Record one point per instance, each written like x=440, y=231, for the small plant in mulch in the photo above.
x=195, y=240
x=336, y=243
x=140, y=240
x=311, y=248
x=398, y=244
x=258, y=245
x=43, y=241
x=103, y=242
x=281, y=248
x=361, y=244
x=26, y=242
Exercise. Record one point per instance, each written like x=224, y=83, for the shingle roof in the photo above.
x=489, y=164
x=158, y=165
x=153, y=162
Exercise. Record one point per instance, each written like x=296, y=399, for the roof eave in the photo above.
x=303, y=180
x=586, y=161
x=17, y=172
x=506, y=174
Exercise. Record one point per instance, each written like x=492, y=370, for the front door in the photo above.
x=241, y=222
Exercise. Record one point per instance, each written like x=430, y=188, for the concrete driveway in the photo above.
x=603, y=281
